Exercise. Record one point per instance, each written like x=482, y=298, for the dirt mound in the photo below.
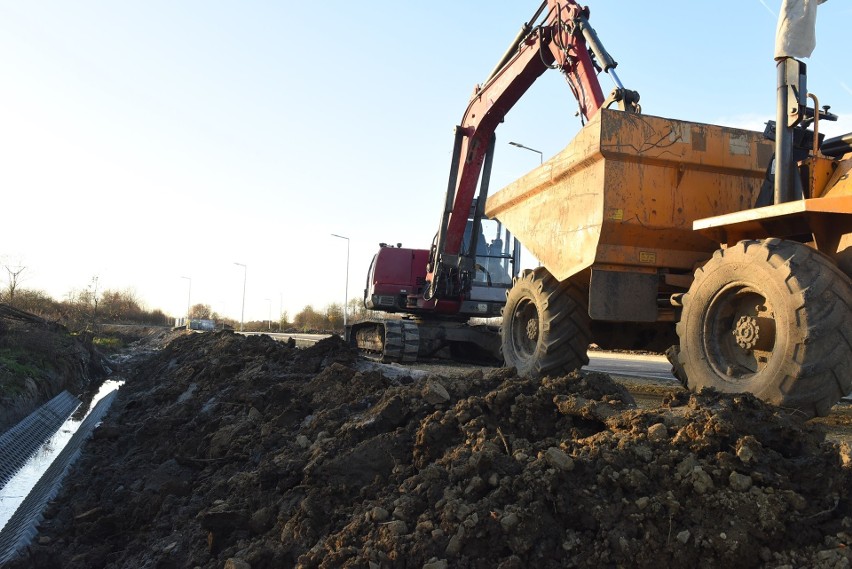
x=134, y=336
x=40, y=359
x=225, y=451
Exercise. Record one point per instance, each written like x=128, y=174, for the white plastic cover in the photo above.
x=796, y=34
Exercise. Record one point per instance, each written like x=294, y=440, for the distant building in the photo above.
x=203, y=325
x=196, y=324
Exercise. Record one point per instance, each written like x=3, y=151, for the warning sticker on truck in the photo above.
x=739, y=145
x=616, y=215
x=647, y=257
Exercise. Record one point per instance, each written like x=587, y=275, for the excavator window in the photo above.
x=493, y=253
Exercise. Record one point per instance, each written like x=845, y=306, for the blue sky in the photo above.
x=142, y=142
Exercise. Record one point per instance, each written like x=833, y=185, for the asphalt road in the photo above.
x=633, y=365
x=302, y=340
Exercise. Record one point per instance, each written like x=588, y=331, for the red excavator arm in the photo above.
x=470, y=265
x=564, y=41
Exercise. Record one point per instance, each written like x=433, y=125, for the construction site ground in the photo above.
x=243, y=452
x=649, y=391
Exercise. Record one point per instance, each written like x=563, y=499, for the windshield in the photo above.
x=493, y=253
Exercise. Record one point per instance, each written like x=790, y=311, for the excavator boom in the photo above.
x=463, y=275
x=565, y=41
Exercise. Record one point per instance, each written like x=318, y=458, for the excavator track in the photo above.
x=402, y=341
x=387, y=341
x=408, y=341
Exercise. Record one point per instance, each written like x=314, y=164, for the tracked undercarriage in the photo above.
x=408, y=340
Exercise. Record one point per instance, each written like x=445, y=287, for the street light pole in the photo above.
x=540, y=155
x=243, y=312
x=188, y=301
x=269, y=322
x=346, y=292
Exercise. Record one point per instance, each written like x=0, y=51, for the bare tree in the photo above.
x=93, y=289
x=14, y=280
x=36, y=302
x=309, y=319
x=201, y=312
x=120, y=306
x=357, y=310
x=334, y=316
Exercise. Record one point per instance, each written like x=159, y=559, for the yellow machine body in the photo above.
x=650, y=195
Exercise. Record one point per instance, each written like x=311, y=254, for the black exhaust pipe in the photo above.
x=837, y=146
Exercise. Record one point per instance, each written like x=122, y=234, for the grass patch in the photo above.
x=17, y=362
x=108, y=343
x=15, y=367
x=10, y=385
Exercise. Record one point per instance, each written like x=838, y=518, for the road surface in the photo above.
x=632, y=365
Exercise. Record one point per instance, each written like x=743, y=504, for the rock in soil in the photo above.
x=231, y=451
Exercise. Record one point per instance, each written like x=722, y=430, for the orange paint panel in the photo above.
x=627, y=189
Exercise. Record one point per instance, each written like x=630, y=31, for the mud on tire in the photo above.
x=773, y=318
x=545, y=327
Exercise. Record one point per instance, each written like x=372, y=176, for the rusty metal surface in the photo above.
x=827, y=219
x=627, y=189
x=840, y=183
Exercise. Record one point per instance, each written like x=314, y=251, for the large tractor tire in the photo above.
x=545, y=326
x=772, y=318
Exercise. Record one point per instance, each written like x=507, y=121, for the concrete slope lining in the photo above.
x=20, y=442
x=21, y=527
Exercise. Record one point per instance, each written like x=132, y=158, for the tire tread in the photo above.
x=820, y=295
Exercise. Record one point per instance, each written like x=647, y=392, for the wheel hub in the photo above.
x=532, y=328
x=740, y=332
x=747, y=332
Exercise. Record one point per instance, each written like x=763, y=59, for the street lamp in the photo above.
x=540, y=155
x=188, y=296
x=269, y=324
x=346, y=292
x=243, y=312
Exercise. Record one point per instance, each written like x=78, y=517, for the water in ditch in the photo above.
x=25, y=479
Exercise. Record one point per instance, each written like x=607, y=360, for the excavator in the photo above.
x=442, y=292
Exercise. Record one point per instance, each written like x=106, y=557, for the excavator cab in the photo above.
x=496, y=256
x=489, y=259
x=396, y=280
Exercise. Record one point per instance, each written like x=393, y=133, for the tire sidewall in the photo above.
x=523, y=290
x=737, y=267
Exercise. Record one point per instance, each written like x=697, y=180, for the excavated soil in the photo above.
x=39, y=360
x=243, y=452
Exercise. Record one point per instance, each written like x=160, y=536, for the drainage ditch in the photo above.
x=34, y=458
